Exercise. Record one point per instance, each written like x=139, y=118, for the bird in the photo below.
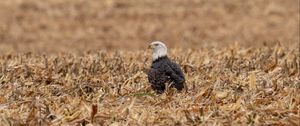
x=163, y=70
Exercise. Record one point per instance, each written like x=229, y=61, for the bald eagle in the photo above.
x=163, y=70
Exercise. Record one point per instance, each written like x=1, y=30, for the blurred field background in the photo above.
x=87, y=64
x=78, y=25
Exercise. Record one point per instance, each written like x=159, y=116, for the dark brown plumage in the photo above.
x=163, y=70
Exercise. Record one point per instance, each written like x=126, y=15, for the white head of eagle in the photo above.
x=159, y=49
x=163, y=70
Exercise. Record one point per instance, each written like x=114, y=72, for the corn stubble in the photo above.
x=225, y=87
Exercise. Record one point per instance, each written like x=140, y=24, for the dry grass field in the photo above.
x=225, y=87
x=78, y=62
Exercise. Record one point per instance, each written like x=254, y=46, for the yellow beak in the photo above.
x=150, y=46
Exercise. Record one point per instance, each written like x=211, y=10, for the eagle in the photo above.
x=163, y=70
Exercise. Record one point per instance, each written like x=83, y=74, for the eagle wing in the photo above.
x=176, y=75
x=176, y=68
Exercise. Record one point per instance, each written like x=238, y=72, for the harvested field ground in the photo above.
x=228, y=86
x=77, y=62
